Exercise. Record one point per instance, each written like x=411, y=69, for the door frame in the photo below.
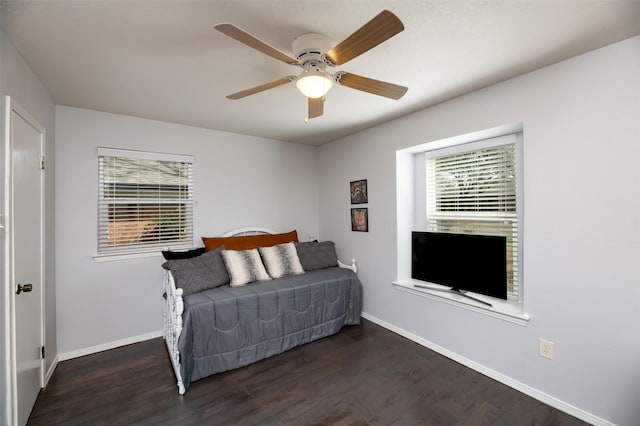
x=9, y=276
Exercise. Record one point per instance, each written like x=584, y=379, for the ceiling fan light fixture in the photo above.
x=314, y=84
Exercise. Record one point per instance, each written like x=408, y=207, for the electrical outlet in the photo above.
x=545, y=348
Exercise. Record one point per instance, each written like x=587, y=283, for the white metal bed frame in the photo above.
x=173, y=305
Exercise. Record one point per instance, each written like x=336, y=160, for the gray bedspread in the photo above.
x=225, y=328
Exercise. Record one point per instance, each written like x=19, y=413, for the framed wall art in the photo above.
x=359, y=194
x=360, y=219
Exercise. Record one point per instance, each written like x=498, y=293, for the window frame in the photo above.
x=411, y=215
x=183, y=198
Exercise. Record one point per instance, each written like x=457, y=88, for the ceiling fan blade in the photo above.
x=371, y=34
x=377, y=87
x=261, y=88
x=316, y=107
x=251, y=41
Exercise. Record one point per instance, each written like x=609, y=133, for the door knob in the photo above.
x=26, y=288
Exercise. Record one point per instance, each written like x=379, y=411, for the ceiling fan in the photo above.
x=314, y=53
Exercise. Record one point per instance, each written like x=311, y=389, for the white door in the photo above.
x=26, y=139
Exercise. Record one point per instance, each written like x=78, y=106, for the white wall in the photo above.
x=581, y=230
x=18, y=81
x=238, y=181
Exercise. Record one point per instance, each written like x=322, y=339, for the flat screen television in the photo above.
x=475, y=263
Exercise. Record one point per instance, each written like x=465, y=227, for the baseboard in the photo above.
x=527, y=390
x=50, y=371
x=110, y=345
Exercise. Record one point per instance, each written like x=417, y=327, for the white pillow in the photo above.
x=281, y=260
x=244, y=266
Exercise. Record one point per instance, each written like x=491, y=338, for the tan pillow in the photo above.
x=248, y=242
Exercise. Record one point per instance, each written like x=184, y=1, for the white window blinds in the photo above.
x=145, y=201
x=475, y=192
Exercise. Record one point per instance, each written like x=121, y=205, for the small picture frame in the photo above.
x=360, y=219
x=358, y=190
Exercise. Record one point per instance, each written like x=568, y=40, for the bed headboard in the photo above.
x=250, y=230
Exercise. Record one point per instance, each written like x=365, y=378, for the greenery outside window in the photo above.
x=145, y=201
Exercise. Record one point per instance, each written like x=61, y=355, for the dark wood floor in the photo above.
x=363, y=375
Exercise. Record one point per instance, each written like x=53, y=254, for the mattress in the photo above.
x=228, y=327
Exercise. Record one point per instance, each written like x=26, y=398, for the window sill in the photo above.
x=124, y=256
x=504, y=310
x=149, y=252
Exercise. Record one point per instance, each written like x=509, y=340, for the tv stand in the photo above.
x=456, y=291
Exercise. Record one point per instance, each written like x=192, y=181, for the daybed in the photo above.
x=215, y=321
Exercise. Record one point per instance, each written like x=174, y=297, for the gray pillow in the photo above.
x=199, y=273
x=315, y=255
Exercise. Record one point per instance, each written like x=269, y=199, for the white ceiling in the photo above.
x=163, y=60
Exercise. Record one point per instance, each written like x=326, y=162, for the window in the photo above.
x=474, y=191
x=471, y=183
x=145, y=201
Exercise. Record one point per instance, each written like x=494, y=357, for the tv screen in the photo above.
x=476, y=263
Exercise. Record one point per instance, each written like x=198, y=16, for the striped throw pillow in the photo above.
x=244, y=266
x=281, y=260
